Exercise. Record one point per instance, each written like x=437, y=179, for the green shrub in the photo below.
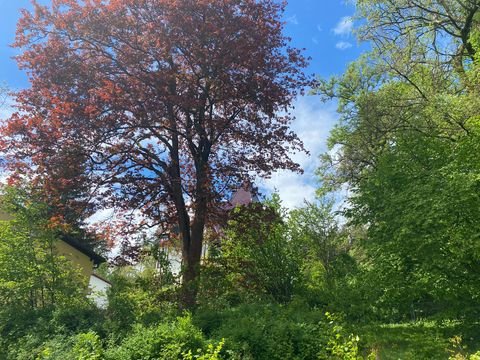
x=83, y=317
x=88, y=346
x=32, y=347
x=163, y=341
x=211, y=353
x=257, y=258
x=139, y=295
x=271, y=331
x=340, y=345
x=459, y=350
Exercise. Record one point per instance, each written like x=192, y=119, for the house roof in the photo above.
x=101, y=278
x=242, y=196
x=96, y=258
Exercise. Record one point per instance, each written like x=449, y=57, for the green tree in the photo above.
x=405, y=148
x=34, y=280
x=330, y=256
x=32, y=274
x=258, y=256
x=316, y=232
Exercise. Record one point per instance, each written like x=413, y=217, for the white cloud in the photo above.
x=293, y=19
x=315, y=40
x=319, y=28
x=313, y=123
x=344, y=26
x=343, y=45
x=101, y=216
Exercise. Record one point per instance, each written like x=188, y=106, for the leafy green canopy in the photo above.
x=32, y=274
x=256, y=254
x=35, y=282
x=407, y=149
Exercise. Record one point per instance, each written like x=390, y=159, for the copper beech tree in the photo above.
x=158, y=106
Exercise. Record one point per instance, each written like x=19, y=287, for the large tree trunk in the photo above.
x=193, y=243
x=190, y=264
x=191, y=271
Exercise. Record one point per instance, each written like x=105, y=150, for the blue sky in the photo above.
x=322, y=27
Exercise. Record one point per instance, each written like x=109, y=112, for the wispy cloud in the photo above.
x=319, y=28
x=315, y=40
x=293, y=19
x=343, y=45
x=344, y=26
x=313, y=123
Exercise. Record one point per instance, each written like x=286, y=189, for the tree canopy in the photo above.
x=405, y=149
x=154, y=107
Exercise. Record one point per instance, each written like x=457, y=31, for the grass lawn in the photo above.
x=421, y=340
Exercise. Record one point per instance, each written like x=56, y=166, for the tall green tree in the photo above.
x=405, y=148
x=260, y=258
x=32, y=274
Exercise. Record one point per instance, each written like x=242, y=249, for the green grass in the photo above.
x=427, y=340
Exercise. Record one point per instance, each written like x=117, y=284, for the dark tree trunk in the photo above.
x=193, y=244
x=190, y=258
x=191, y=270
x=192, y=240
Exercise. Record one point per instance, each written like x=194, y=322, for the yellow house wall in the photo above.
x=78, y=259
x=82, y=261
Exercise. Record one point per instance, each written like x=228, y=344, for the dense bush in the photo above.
x=32, y=274
x=273, y=331
x=259, y=258
x=139, y=294
x=255, y=260
x=163, y=341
